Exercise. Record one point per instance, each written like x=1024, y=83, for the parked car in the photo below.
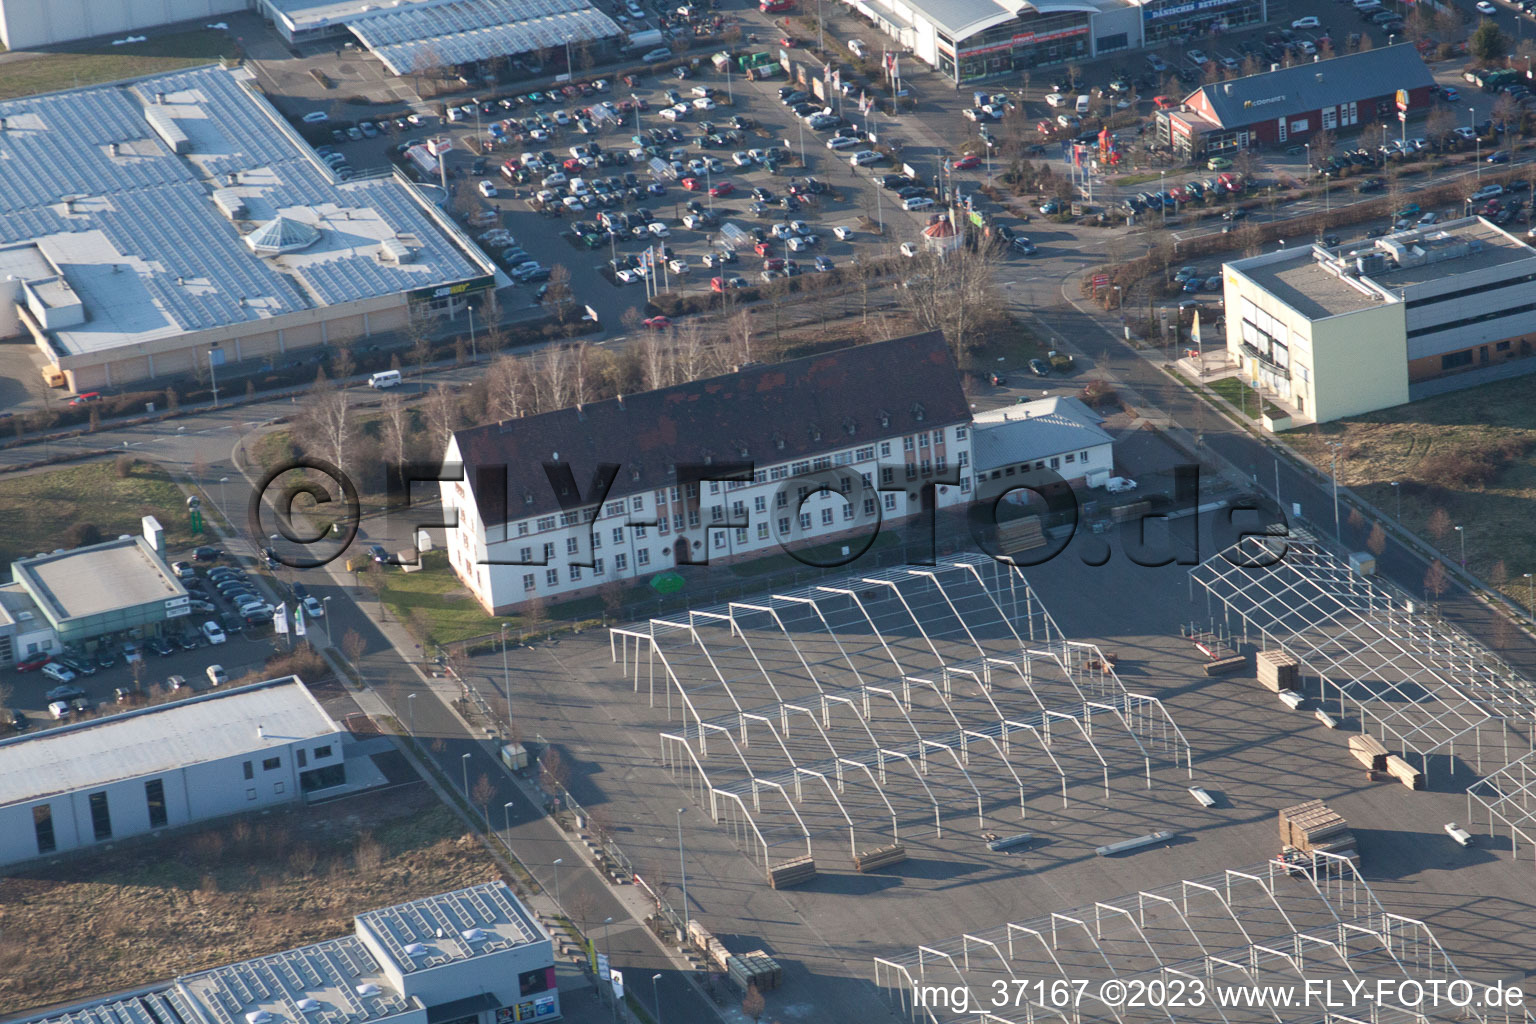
x=32, y=662
x=216, y=675
x=1039, y=367
x=207, y=554
x=212, y=633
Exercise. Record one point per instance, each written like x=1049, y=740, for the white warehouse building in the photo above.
x=96, y=781
x=25, y=24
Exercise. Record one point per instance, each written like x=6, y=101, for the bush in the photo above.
x=1474, y=465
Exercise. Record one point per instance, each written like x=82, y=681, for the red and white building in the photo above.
x=1289, y=105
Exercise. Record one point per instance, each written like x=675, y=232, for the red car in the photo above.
x=33, y=662
x=717, y=284
x=763, y=248
x=777, y=263
x=722, y=188
x=968, y=161
x=693, y=184
x=658, y=323
x=86, y=399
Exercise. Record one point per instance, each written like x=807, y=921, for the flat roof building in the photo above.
x=97, y=780
x=25, y=24
x=470, y=956
x=977, y=40
x=137, y=234
x=410, y=36
x=1344, y=330
x=103, y=588
x=1059, y=434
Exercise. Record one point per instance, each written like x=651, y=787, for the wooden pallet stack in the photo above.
x=1022, y=534
x=1226, y=666
x=1126, y=513
x=1404, y=772
x=792, y=872
x=1278, y=671
x=1314, y=827
x=755, y=968
x=866, y=861
x=1368, y=751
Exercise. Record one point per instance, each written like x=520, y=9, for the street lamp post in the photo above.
x=558, y=862
x=464, y=763
x=325, y=606
x=656, y=995
x=682, y=865
x=1530, y=578
x=1333, y=455
x=1161, y=201
x=608, y=952
x=1462, y=533
x=1397, y=490
x=213, y=375
x=410, y=703
x=1308, y=147
x=222, y=481
x=506, y=680
x=506, y=810
x=474, y=353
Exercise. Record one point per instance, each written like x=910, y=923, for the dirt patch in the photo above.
x=245, y=887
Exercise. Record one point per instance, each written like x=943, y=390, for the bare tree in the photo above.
x=353, y=646
x=508, y=386
x=553, y=775
x=554, y=373
x=955, y=293
x=419, y=329
x=655, y=363
x=482, y=794
x=739, y=330
x=7, y=692
x=1439, y=524
x=327, y=420
x=581, y=358
x=692, y=350
x=442, y=415
x=559, y=294
x=1435, y=580
x=394, y=425
x=1376, y=543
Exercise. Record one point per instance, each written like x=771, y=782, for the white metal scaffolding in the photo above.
x=1418, y=683
x=1276, y=926
x=875, y=707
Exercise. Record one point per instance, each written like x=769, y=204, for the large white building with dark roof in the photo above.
x=471, y=956
x=104, y=779
x=770, y=458
x=177, y=223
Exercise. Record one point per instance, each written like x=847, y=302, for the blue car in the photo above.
x=1501, y=157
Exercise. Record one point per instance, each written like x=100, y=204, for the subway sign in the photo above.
x=477, y=284
x=1154, y=13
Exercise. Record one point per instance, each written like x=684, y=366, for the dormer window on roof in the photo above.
x=885, y=418
x=917, y=411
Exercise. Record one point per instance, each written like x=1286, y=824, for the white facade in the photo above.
x=29, y=23
x=163, y=767
x=1058, y=435
x=636, y=533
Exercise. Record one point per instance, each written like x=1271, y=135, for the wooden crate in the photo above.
x=1277, y=670
x=1126, y=513
x=793, y=872
x=1369, y=752
x=866, y=861
x=1226, y=666
x=1404, y=772
x=1311, y=825
x=1022, y=534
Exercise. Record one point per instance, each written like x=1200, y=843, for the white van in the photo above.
x=1083, y=100
x=857, y=48
x=384, y=379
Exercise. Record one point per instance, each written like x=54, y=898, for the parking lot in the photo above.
x=148, y=665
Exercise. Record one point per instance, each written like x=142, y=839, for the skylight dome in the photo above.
x=280, y=235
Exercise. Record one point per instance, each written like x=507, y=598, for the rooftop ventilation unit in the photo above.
x=308, y=1005
x=472, y=935
x=415, y=949
x=367, y=988
x=258, y=1017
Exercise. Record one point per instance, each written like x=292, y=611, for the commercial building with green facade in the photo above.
x=110, y=587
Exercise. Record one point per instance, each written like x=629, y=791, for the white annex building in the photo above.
x=1059, y=434
x=721, y=469
x=224, y=752
x=471, y=956
x=25, y=24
